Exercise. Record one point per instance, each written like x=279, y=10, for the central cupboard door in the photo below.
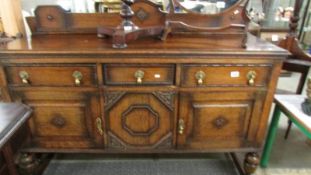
x=139, y=120
x=219, y=120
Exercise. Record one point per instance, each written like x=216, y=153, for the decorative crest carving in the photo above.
x=114, y=142
x=111, y=97
x=142, y=15
x=167, y=98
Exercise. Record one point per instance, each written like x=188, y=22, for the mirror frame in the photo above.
x=176, y=2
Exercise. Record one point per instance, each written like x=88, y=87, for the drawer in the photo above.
x=226, y=75
x=50, y=75
x=139, y=74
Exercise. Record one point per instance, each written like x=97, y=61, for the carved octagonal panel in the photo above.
x=144, y=113
x=140, y=120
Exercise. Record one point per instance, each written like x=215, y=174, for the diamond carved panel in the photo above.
x=142, y=14
x=140, y=120
x=220, y=122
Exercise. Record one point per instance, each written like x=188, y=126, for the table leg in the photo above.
x=271, y=136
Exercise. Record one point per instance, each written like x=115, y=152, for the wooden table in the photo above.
x=12, y=117
x=290, y=105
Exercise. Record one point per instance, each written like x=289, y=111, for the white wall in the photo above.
x=78, y=6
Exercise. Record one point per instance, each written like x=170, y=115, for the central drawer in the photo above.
x=139, y=74
x=52, y=75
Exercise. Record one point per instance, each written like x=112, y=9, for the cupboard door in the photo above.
x=216, y=120
x=63, y=119
x=140, y=121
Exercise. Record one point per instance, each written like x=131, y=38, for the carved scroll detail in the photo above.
x=112, y=97
x=165, y=142
x=167, y=98
x=114, y=142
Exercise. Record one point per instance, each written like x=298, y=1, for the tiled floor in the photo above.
x=292, y=156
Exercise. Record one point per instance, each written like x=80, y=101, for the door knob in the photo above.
x=181, y=126
x=139, y=75
x=78, y=77
x=24, y=76
x=251, y=76
x=200, y=75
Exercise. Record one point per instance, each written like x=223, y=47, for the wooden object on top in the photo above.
x=143, y=18
x=233, y=20
x=12, y=116
x=128, y=31
x=55, y=20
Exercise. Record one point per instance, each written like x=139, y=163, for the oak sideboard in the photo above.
x=206, y=86
x=181, y=95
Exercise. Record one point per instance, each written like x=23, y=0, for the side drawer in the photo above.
x=225, y=75
x=52, y=75
x=139, y=74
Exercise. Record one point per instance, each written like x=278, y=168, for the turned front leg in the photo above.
x=251, y=163
x=27, y=163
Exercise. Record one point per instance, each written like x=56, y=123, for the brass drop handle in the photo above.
x=139, y=75
x=200, y=75
x=251, y=76
x=24, y=76
x=99, y=126
x=77, y=75
x=181, y=126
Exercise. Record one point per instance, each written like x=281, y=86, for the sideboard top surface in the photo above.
x=174, y=45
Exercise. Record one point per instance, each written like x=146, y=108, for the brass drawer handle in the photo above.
x=200, y=75
x=99, y=126
x=77, y=75
x=24, y=76
x=139, y=75
x=181, y=126
x=251, y=76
